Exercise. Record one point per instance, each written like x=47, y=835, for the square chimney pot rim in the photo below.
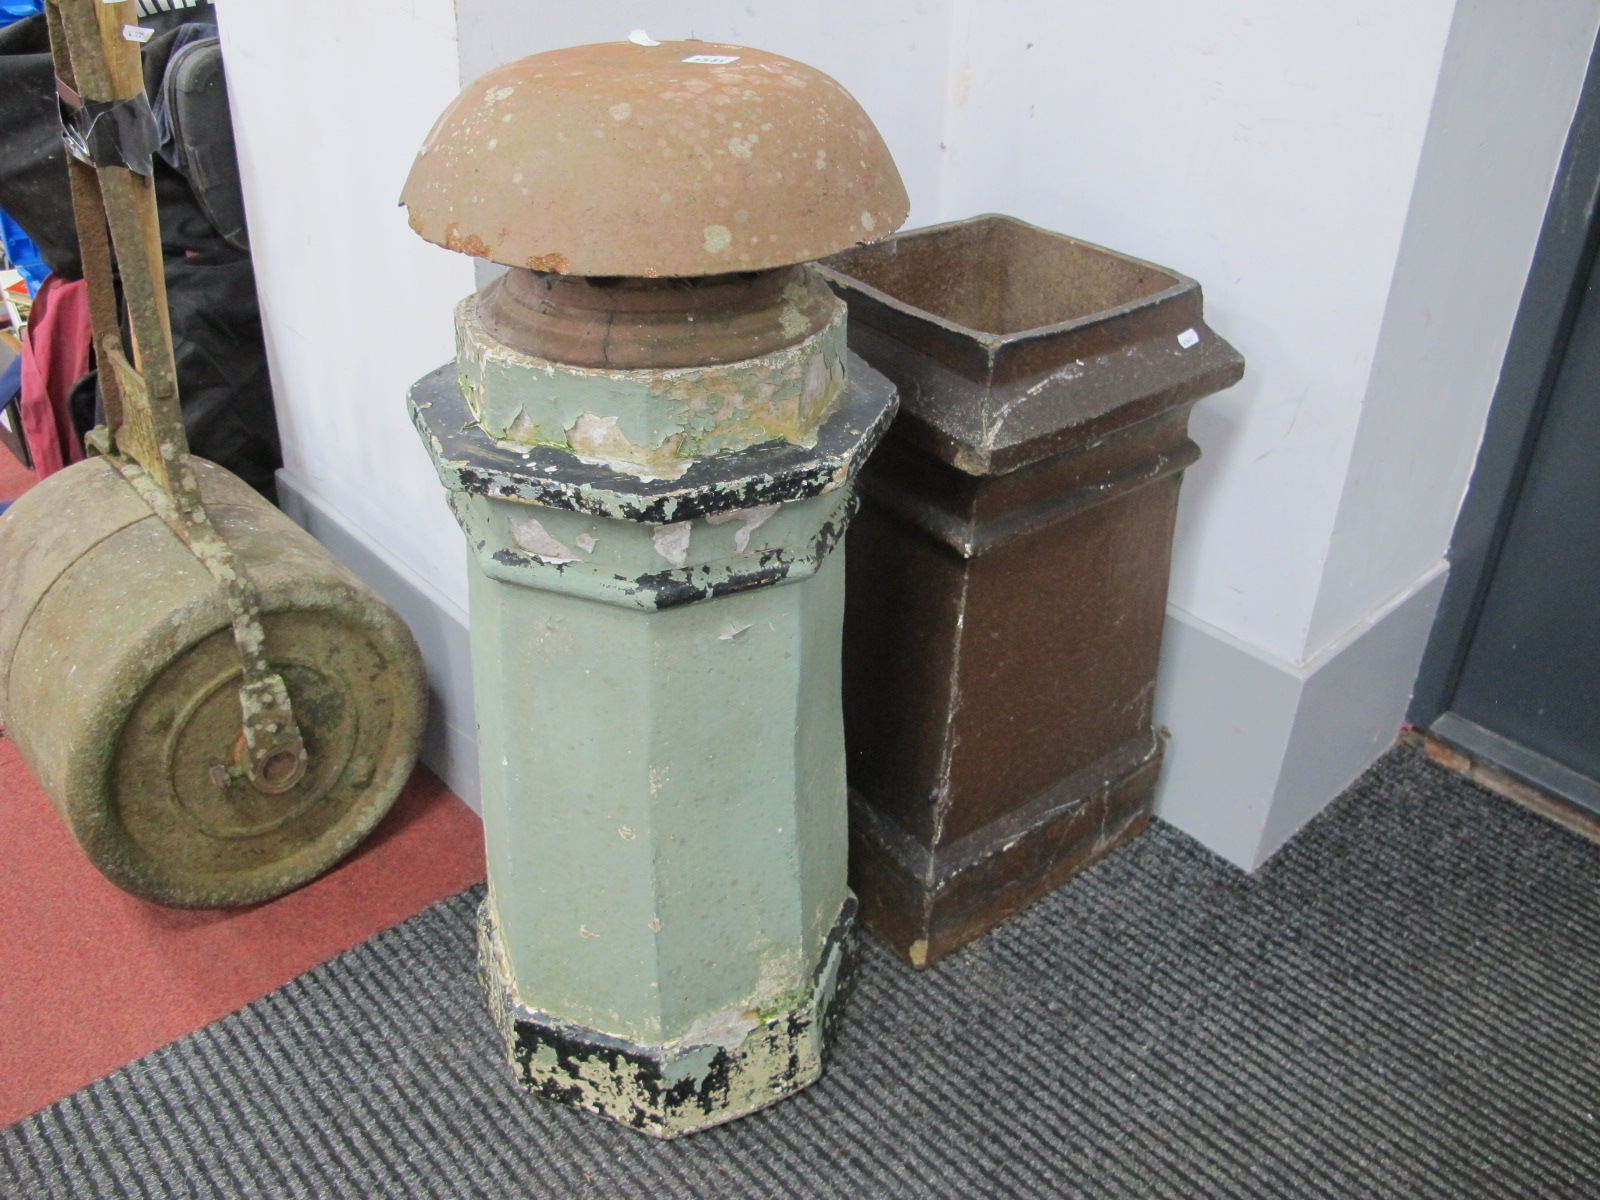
x=995, y=342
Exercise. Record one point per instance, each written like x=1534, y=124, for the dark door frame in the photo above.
x=1561, y=262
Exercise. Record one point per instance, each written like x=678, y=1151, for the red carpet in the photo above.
x=92, y=978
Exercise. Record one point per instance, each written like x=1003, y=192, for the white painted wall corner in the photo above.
x=1260, y=745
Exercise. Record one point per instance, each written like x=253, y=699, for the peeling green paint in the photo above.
x=653, y=423
x=722, y=759
x=662, y=773
x=709, y=1075
x=548, y=476
x=633, y=565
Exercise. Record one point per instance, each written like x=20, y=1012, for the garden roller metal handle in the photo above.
x=111, y=137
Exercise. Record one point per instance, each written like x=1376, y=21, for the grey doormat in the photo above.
x=1405, y=1002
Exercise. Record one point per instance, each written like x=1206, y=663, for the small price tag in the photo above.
x=137, y=33
x=1188, y=338
x=715, y=60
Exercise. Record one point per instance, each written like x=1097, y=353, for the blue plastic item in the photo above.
x=19, y=248
x=24, y=255
x=12, y=11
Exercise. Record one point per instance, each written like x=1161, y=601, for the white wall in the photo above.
x=330, y=102
x=1265, y=148
x=1358, y=187
x=1506, y=96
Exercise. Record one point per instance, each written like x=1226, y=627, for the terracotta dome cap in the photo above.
x=683, y=158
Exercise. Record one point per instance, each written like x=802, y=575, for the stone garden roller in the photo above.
x=650, y=435
x=218, y=709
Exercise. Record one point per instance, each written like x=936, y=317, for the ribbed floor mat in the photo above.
x=1405, y=1002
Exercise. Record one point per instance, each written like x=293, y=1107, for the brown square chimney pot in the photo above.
x=1008, y=569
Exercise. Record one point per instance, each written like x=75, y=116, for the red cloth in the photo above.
x=55, y=355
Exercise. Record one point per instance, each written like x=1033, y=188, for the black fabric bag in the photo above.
x=192, y=115
x=221, y=357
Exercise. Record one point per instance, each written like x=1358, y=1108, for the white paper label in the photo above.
x=640, y=38
x=716, y=60
x=137, y=33
x=1188, y=338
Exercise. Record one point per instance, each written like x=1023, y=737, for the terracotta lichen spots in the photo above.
x=547, y=262
x=464, y=244
x=761, y=109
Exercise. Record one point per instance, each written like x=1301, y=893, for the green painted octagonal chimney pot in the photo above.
x=650, y=436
